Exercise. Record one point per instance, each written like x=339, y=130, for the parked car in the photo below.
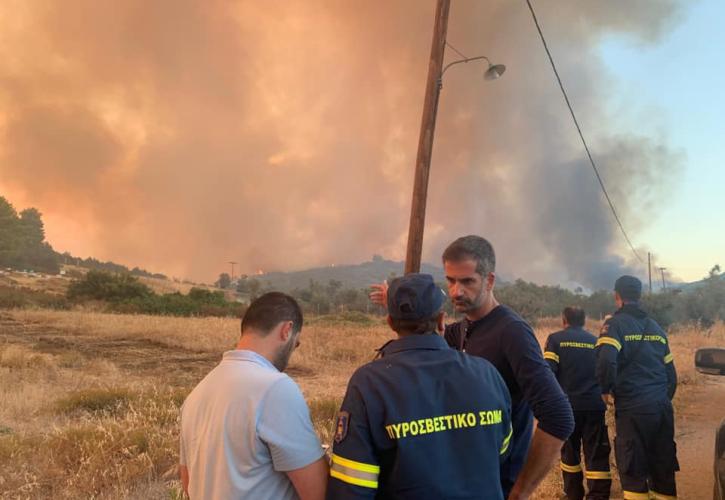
x=712, y=362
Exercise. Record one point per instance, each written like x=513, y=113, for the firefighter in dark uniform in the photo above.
x=422, y=421
x=636, y=374
x=570, y=354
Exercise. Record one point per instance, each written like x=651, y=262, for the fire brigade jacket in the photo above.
x=570, y=354
x=634, y=362
x=422, y=421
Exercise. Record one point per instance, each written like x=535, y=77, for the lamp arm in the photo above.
x=466, y=60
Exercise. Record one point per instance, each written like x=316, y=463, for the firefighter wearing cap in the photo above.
x=570, y=354
x=636, y=372
x=422, y=420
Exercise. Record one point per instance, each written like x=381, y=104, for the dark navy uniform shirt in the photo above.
x=423, y=421
x=508, y=342
x=570, y=354
x=634, y=362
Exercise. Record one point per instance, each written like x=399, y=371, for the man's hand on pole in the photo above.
x=379, y=294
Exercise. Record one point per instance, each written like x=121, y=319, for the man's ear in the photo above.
x=490, y=281
x=285, y=330
x=441, y=322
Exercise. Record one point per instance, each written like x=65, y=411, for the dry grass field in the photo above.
x=58, y=285
x=89, y=402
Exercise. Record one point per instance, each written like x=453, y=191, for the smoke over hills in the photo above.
x=179, y=135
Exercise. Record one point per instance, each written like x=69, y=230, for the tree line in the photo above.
x=703, y=304
x=23, y=246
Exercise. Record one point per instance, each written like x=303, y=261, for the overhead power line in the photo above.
x=581, y=135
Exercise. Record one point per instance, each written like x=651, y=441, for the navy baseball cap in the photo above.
x=628, y=287
x=414, y=297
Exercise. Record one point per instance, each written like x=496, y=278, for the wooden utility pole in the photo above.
x=425, y=141
x=232, y=263
x=649, y=268
x=664, y=286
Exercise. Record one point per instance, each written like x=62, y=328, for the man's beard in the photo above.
x=281, y=358
x=464, y=304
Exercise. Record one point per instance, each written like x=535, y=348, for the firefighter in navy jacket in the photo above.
x=422, y=421
x=570, y=354
x=636, y=372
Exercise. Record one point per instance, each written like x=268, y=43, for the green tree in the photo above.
x=254, y=287
x=9, y=241
x=224, y=281
x=704, y=304
x=31, y=228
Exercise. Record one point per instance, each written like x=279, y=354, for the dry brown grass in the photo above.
x=57, y=284
x=80, y=419
x=194, y=334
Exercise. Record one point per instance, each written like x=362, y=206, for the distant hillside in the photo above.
x=351, y=276
x=693, y=285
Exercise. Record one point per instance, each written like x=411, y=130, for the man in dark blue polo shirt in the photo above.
x=570, y=354
x=496, y=333
x=422, y=421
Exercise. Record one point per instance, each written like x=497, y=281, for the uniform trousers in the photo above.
x=646, y=452
x=590, y=434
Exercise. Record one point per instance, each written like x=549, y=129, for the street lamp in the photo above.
x=493, y=72
x=427, y=129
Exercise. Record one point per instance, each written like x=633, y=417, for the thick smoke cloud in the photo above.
x=280, y=134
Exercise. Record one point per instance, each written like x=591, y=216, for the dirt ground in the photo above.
x=701, y=409
x=700, y=406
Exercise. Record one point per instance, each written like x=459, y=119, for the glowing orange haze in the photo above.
x=281, y=134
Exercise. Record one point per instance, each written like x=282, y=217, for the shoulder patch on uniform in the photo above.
x=343, y=422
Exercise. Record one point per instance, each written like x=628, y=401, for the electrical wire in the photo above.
x=581, y=135
x=457, y=51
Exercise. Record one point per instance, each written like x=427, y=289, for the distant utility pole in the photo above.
x=425, y=142
x=664, y=286
x=649, y=267
x=232, y=263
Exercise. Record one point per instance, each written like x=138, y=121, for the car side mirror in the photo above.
x=710, y=361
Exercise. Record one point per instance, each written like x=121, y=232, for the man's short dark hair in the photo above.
x=475, y=248
x=574, y=316
x=629, y=288
x=271, y=309
x=413, y=326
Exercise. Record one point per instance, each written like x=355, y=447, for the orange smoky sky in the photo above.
x=179, y=135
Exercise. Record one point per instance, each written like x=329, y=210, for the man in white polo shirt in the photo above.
x=246, y=429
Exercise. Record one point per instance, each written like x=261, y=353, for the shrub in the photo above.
x=12, y=297
x=102, y=285
x=354, y=317
x=176, y=304
x=95, y=401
